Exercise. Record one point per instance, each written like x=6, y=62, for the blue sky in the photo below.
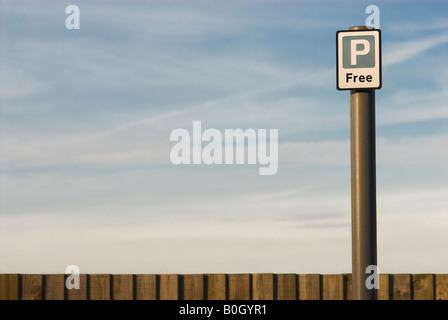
x=86, y=116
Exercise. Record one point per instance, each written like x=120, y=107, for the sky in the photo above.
x=86, y=116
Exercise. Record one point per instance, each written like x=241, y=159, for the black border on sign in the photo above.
x=380, y=59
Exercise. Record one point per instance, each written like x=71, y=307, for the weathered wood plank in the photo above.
x=383, y=291
x=333, y=287
x=9, y=286
x=193, y=286
x=123, y=288
x=169, y=287
x=263, y=286
x=441, y=286
x=99, y=287
x=423, y=286
x=54, y=287
x=401, y=286
x=81, y=293
x=32, y=287
x=239, y=287
x=309, y=287
x=216, y=286
x=286, y=286
x=348, y=286
x=146, y=287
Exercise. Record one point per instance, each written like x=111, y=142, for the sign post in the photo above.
x=359, y=70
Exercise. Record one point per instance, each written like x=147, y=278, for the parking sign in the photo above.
x=358, y=55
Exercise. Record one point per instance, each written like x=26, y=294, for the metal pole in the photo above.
x=363, y=189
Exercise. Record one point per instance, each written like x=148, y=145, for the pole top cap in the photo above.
x=359, y=28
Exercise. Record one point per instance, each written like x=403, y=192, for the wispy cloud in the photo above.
x=16, y=83
x=409, y=106
x=399, y=52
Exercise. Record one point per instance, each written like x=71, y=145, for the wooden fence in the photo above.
x=260, y=286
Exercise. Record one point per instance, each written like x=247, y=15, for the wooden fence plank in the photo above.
x=146, y=287
x=216, y=286
x=401, y=286
x=263, y=286
x=54, y=287
x=193, y=287
x=123, y=287
x=169, y=287
x=383, y=291
x=99, y=287
x=423, y=286
x=309, y=287
x=32, y=287
x=441, y=286
x=81, y=293
x=239, y=287
x=348, y=286
x=333, y=287
x=286, y=286
x=9, y=286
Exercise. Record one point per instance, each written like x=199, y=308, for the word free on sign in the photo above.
x=358, y=55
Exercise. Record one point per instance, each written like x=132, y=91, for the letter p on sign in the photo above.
x=356, y=43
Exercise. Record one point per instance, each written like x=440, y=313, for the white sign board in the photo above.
x=358, y=55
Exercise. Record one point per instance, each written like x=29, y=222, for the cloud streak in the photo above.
x=402, y=51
